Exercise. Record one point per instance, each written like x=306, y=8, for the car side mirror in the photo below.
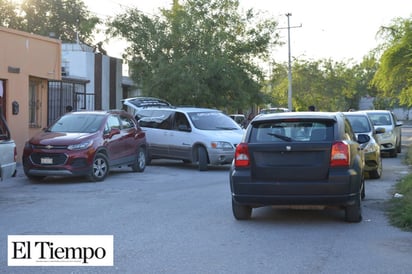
x=113, y=132
x=363, y=138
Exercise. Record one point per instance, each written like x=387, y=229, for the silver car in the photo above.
x=193, y=135
x=390, y=141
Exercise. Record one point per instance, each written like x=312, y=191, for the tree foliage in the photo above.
x=9, y=15
x=394, y=75
x=201, y=52
x=68, y=20
x=328, y=85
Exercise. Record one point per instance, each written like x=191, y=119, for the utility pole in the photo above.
x=289, y=67
x=290, y=63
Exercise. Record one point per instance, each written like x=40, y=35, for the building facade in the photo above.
x=27, y=63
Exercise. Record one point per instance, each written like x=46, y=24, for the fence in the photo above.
x=62, y=94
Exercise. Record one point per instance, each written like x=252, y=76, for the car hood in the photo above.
x=59, y=138
x=232, y=136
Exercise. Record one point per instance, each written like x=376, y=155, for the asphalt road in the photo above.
x=174, y=219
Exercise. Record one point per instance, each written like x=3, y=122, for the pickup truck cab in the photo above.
x=8, y=152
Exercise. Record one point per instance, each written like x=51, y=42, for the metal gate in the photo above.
x=62, y=94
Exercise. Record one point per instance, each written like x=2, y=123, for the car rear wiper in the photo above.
x=282, y=137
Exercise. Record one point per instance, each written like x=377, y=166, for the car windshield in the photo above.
x=380, y=119
x=359, y=124
x=78, y=123
x=213, y=120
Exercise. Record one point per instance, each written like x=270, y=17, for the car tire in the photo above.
x=202, y=158
x=353, y=213
x=100, y=168
x=241, y=212
x=393, y=153
x=363, y=191
x=140, y=163
x=399, y=146
x=377, y=173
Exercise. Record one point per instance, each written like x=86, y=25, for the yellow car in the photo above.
x=361, y=124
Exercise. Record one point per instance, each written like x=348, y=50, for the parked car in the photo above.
x=86, y=143
x=194, y=135
x=302, y=159
x=391, y=139
x=361, y=124
x=8, y=150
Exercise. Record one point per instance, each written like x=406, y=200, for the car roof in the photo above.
x=355, y=113
x=377, y=111
x=98, y=112
x=144, y=102
x=298, y=115
x=196, y=109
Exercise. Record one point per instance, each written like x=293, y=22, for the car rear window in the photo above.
x=288, y=131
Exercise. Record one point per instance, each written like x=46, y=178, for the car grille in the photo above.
x=58, y=159
x=48, y=147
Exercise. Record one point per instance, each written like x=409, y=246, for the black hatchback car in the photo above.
x=299, y=159
x=86, y=143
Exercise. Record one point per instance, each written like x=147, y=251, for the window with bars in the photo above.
x=35, y=101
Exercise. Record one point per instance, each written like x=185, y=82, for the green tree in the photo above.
x=394, y=75
x=9, y=15
x=203, y=52
x=328, y=85
x=68, y=20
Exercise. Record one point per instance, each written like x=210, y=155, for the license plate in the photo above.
x=46, y=161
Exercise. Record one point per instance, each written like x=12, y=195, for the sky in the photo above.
x=320, y=29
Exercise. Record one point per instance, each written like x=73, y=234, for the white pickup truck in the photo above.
x=8, y=151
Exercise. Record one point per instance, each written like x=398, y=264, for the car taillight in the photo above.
x=340, y=154
x=242, y=155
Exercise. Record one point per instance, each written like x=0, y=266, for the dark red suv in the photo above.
x=86, y=143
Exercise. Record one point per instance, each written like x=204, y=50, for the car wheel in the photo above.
x=377, y=173
x=353, y=213
x=241, y=212
x=100, y=168
x=140, y=163
x=202, y=158
x=399, y=146
x=363, y=191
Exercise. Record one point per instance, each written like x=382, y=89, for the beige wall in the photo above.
x=25, y=56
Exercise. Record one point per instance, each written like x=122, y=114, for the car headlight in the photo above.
x=387, y=134
x=80, y=146
x=369, y=147
x=221, y=145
